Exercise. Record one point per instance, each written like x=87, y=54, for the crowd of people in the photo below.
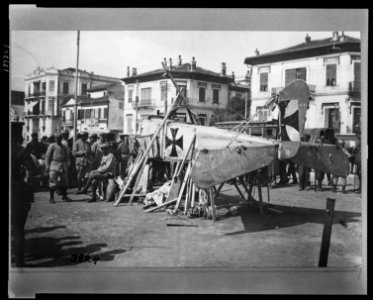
x=87, y=163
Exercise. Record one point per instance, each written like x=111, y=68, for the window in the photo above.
x=129, y=119
x=121, y=105
x=331, y=75
x=238, y=95
x=183, y=89
x=105, y=113
x=202, y=119
x=215, y=96
x=51, y=85
x=332, y=119
x=356, y=118
x=65, y=88
x=146, y=93
x=29, y=90
x=43, y=86
x=84, y=89
x=293, y=74
x=130, y=95
x=263, y=82
x=80, y=114
x=262, y=113
x=202, y=94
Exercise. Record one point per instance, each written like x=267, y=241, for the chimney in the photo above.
x=134, y=71
x=128, y=71
x=194, y=64
x=342, y=38
x=308, y=38
x=223, y=68
x=233, y=76
x=180, y=61
x=335, y=36
x=170, y=63
x=165, y=62
x=256, y=52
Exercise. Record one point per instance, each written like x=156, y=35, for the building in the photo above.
x=242, y=91
x=17, y=104
x=150, y=93
x=101, y=110
x=45, y=90
x=330, y=66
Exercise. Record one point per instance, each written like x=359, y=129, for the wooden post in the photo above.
x=218, y=189
x=260, y=199
x=183, y=186
x=212, y=203
x=191, y=147
x=245, y=187
x=193, y=195
x=160, y=206
x=325, y=242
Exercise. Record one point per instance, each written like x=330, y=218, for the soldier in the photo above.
x=106, y=170
x=81, y=152
x=22, y=195
x=96, y=152
x=34, y=147
x=56, y=165
x=356, y=152
x=343, y=179
x=124, y=151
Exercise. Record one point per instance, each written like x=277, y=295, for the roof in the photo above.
x=307, y=49
x=84, y=99
x=239, y=87
x=183, y=70
x=102, y=86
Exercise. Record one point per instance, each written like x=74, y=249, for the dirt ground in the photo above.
x=126, y=236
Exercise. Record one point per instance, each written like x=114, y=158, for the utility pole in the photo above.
x=76, y=85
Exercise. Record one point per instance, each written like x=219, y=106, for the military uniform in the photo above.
x=56, y=160
x=81, y=151
x=124, y=151
x=106, y=170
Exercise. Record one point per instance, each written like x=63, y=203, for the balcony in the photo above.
x=67, y=122
x=354, y=88
x=312, y=88
x=36, y=94
x=143, y=103
x=32, y=113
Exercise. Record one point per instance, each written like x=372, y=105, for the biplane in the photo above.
x=210, y=157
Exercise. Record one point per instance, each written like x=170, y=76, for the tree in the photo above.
x=234, y=111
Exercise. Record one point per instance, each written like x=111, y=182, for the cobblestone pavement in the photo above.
x=126, y=236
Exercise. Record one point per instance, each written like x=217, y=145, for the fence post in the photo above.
x=325, y=242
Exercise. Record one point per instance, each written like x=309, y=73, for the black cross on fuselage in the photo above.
x=174, y=142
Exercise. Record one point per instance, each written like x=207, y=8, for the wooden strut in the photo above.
x=137, y=180
x=137, y=166
x=183, y=186
x=191, y=147
x=162, y=205
x=193, y=195
x=219, y=188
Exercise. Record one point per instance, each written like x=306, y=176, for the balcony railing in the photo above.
x=67, y=122
x=34, y=112
x=354, y=87
x=36, y=94
x=144, y=103
x=311, y=87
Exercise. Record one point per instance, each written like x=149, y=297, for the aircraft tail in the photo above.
x=293, y=104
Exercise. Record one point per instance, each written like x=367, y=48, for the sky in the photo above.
x=110, y=52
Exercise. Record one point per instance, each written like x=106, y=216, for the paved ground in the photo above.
x=126, y=236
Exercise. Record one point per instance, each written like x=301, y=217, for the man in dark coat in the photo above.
x=124, y=151
x=22, y=194
x=34, y=147
x=56, y=165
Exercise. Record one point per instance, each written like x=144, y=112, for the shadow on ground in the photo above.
x=253, y=221
x=46, y=251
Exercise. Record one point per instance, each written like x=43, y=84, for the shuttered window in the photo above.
x=130, y=95
x=263, y=82
x=292, y=74
x=215, y=96
x=331, y=75
x=146, y=94
x=202, y=94
x=105, y=113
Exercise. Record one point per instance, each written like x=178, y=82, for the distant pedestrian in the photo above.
x=56, y=166
x=343, y=179
x=124, y=151
x=34, y=147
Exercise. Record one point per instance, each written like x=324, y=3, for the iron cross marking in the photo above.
x=174, y=142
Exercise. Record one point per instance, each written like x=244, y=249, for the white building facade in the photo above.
x=331, y=67
x=45, y=89
x=150, y=93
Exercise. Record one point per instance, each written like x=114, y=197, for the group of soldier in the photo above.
x=287, y=169
x=59, y=163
